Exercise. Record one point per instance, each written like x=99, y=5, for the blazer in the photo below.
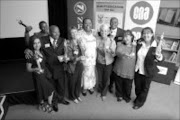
x=119, y=35
x=52, y=62
x=150, y=61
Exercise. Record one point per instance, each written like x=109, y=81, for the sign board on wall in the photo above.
x=104, y=10
x=140, y=14
x=78, y=10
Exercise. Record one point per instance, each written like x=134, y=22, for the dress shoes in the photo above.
x=64, y=102
x=91, y=91
x=136, y=107
x=84, y=93
x=79, y=99
x=127, y=99
x=119, y=99
x=55, y=107
x=110, y=90
x=76, y=101
x=103, y=98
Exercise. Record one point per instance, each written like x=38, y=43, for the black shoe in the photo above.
x=119, y=99
x=110, y=90
x=84, y=93
x=91, y=91
x=127, y=99
x=64, y=102
x=55, y=107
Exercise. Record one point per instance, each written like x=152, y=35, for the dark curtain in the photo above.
x=58, y=15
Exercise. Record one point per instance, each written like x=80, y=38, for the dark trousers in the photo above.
x=123, y=87
x=59, y=85
x=104, y=72
x=142, y=85
x=112, y=79
x=75, y=82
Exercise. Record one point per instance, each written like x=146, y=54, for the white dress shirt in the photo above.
x=113, y=32
x=52, y=41
x=140, y=58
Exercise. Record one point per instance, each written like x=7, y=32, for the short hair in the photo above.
x=147, y=28
x=73, y=28
x=86, y=19
x=113, y=18
x=53, y=26
x=41, y=22
x=104, y=26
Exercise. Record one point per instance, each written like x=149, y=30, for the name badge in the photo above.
x=47, y=45
x=119, y=38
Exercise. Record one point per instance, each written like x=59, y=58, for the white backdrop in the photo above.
x=31, y=12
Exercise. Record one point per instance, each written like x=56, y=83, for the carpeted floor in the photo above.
x=162, y=103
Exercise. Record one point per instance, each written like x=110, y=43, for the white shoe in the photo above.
x=103, y=98
x=79, y=99
x=76, y=101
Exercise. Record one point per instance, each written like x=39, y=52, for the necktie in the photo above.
x=54, y=44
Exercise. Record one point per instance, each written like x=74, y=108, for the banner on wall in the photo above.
x=104, y=10
x=140, y=14
x=78, y=10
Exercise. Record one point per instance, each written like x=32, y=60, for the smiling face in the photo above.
x=54, y=32
x=36, y=44
x=114, y=23
x=44, y=27
x=147, y=35
x=73, y=33
x=87, y=25
x=128, y=39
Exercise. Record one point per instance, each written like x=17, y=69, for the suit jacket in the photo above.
x=55, y=67
x=149, y=62
x=119, y=35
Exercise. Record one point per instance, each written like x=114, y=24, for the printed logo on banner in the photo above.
x=136, y=32
x=141, y=13
x=80, y=8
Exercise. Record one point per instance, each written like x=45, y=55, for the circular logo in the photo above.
x=141, y=12
x=80, y=8
x=136, y=32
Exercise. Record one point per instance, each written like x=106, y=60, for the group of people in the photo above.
x=90, y=61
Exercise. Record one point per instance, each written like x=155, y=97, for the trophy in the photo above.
x=28, y=28
x=66, y=50
x=38, y=61
x=159, y=47
x=75, y=48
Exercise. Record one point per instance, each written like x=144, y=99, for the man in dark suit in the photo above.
x=53, y=48
x=117, y=35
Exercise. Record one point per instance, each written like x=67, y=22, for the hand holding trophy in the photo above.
x=38, y=61
x=28, y=28
x=66, y=58
x=159, y=47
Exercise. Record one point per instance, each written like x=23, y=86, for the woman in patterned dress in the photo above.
x=87, y=43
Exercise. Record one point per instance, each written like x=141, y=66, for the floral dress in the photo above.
x=88, y=48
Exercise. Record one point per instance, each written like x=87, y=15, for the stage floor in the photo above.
x=14, y=78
